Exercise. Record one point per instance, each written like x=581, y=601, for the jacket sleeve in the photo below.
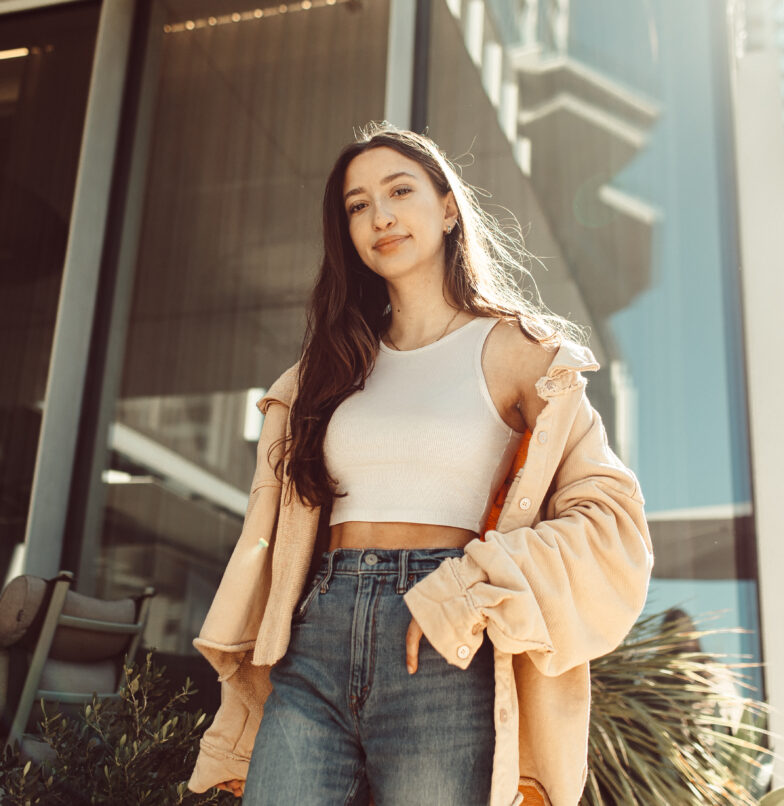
x=225, y=747
x=566, y=589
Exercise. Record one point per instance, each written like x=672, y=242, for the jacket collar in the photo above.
x=563, y=373
x=572, y=357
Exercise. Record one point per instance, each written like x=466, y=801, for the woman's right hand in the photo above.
x=235, y=786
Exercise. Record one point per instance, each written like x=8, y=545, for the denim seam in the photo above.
x=304, y=606
x=352, y=792
x=330, y=571
x=349, y=696
x=381, y=572
x=402, y=572
x=365, y=690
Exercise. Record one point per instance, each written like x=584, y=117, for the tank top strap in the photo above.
x=480, y=334
x=483, y=331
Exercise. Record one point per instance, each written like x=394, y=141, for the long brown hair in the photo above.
x=348, y=310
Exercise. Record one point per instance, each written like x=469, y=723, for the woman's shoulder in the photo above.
x=522, y=369
x=282, y=389
x=512, y=364
x=531, y=360
x=517, y=355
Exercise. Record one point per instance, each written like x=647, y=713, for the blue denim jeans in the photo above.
x=346, y=720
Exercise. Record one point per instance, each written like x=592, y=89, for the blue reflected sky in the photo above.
x=681, y=338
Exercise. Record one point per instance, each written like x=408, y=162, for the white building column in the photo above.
x=759, y=136
x=510, y=108
x=400, y=63
x=492, y=71
x=474, y=30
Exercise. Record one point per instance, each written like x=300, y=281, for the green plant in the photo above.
x=138, y=749
x=670, y=724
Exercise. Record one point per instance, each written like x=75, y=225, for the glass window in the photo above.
x=252, y=109
x=45, y=66
x=618, y=167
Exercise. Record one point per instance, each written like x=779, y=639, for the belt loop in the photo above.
x=402, y=572
x=328, y=576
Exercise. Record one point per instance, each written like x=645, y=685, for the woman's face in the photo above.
x=396, y=218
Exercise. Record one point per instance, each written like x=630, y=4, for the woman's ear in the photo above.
x=450, y=209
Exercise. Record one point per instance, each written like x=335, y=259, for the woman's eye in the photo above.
x=401, y=191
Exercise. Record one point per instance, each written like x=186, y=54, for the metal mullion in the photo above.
x=85, y=523
x=76, y=307
x=420, y=80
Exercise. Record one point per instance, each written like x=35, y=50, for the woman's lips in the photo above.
x=389, y=245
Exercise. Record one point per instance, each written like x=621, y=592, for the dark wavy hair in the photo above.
x=348, y=310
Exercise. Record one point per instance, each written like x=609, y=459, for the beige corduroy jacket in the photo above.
x=558, y=582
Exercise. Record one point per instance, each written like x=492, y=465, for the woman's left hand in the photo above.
x=413, y=635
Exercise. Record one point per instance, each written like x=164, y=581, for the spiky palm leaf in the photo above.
x=673, y=727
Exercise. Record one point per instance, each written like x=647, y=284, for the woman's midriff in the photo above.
x=390, y=535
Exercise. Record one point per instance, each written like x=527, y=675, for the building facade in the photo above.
x=163, y=165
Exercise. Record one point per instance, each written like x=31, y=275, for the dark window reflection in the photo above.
x=45, y=64
x=250, y=115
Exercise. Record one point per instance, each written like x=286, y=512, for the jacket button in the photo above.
x=503, y=715
x=542, y=437
x=463, y=651
x=525, y=503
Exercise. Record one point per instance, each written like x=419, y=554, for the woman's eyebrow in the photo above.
x=385, y=181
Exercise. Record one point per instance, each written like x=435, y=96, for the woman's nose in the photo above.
x=382, y=218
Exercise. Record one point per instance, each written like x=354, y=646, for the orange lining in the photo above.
x=500, y=495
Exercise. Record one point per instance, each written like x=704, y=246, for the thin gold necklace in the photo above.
x=432, y=342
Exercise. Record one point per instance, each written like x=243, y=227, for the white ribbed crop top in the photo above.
x=423, y=442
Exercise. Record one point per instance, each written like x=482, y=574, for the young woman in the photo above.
x=429, y=471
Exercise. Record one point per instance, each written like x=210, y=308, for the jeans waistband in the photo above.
x=398, y=562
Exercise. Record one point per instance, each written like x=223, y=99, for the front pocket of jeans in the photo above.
x=302, y=608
